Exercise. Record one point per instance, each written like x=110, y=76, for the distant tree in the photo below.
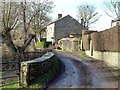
x=87, y=14
x=41, y=19
x=113, y=8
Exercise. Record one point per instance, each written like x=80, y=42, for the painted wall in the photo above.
x=50, y=32
x=88, y=52
x=110, y=58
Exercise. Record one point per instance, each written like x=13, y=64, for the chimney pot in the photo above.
x=59, y=16
x=82, y=21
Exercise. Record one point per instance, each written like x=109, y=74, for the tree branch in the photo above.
x=24, y=46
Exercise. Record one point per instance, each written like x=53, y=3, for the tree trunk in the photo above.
x=28, y=41
x=6, y=36
x=15, y=51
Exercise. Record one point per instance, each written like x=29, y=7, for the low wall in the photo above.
x=32, y=69
x=110, y=58
x=69, y=44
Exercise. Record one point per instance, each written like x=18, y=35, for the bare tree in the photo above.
x=87, y=14
x=41, y=19
x=10, y=20
x=113, y=8
x=29, y=14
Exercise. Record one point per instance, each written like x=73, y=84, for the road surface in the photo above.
x=78, y=73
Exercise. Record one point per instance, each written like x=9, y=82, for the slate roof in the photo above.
x=62, y=18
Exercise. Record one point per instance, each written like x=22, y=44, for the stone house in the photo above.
x=63, y=28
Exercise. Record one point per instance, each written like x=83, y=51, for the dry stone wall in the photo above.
x=30, y=70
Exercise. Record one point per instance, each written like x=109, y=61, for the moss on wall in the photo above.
x=32, y=70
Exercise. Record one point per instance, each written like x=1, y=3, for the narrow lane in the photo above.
x=78, y=73
x=69, y=77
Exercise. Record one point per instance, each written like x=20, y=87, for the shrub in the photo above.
x=43, y=44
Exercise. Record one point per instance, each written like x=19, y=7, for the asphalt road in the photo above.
x=78, y=73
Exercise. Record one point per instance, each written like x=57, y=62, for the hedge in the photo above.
x=43, y=44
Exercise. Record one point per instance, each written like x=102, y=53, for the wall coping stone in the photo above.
x=40, y=59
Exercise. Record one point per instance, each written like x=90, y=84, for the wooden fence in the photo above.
x=10, y=73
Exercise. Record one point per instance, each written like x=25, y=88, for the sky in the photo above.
x=66, y=7
x=69, y=7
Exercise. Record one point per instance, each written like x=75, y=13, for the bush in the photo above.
x=43, y=44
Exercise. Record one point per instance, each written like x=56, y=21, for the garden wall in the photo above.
x=86, y=41
x=86, y=37
x=106, y=40
x=104, y=45
x=111, y=59
x=31, y=70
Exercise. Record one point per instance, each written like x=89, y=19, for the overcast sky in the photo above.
x=66, y=7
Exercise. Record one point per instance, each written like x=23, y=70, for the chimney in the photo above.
x=82, y=21
x=59, y=16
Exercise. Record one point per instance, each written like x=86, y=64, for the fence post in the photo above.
x=19, y=73
x=24, y=73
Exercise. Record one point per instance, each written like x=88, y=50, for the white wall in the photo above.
x=110, y=58
x=50, y=32
x=88, y=52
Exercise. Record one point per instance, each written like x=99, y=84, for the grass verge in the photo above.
x=83, y=55
x=118, y=76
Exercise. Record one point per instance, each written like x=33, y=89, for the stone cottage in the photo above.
x=63, y=28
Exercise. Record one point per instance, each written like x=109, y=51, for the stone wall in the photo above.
x=86, y=41
x=103, y=41
x=106, y=40
x=104, y=45
x=31, y=70
x=69, y=44
x=86, y=37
